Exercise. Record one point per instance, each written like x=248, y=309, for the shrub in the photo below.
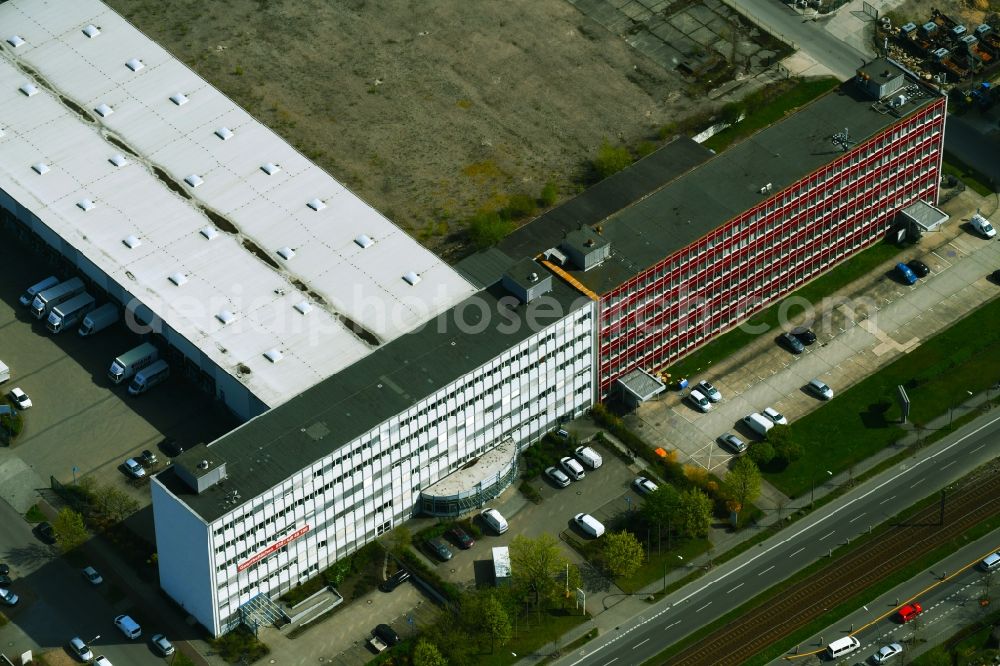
x=530, y=492
x=610, y=160
x=417, y=566
x=731, y=112
x=240, y=644
x=549, y=195
x=487, y=229
x=761, y=453
x=519, y=206
x=645, y=148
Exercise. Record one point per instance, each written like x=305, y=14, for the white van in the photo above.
x=758, y=423
x=573, y=469
x=4, y=372
x=842, y=646
x=991, y=562
x=589, y=457
x=495, y=520
x=589, y=524
x=700, y=402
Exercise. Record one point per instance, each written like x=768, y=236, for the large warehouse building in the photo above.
x=377, y=382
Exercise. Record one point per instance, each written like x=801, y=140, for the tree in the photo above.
x=761, y=453
x=786, y=449
x=623, y=554
x=400, y=538
x=426, y=653
x=113, y=503
x=69, y=529
x=743, y=482
x=694, y=513
x=536, y=564
x=611, y=159
x=658, y=509
x=494, y=619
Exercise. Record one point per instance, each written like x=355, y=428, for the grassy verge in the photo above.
x=736, y=339
x=571, y=646
x=862, y=420
x=658, y=564
x=972, y=178
x=34, y=514
x=758, y=118
x=532, y=633
x=971, y=645
x=839, y=611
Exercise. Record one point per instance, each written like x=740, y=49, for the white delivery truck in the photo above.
x=130, y=362
x=4, y=372
x=99, y=319
x=148, y=377
x=47, y=299
x=758, y=423
x=67, y=314
x=33, y=290
x=589, y=457
x=501, y=566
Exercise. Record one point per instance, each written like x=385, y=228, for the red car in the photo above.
x=909, y=611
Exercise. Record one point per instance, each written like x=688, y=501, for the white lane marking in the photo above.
x=977, y=448
x=640, y=643
x=860, y=515
x=671, y=625
x=887, y=499
x=704, y=607
x=826, y=535
x=846, y=506
x=766, y=570
x=735, y=588
x=918, y=482
x=611, y=662
x=797, y=552
x=949, y=464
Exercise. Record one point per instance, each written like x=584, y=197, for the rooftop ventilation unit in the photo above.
x=134, y=64
x=194, y=180
x=303, y=307
x=286, y=253
x=180, y=99
x=103, y=110
x=364, y=241
x=85, y=205
x=15, y=41
x=209, y=232
x=29, y=89
x=91, y=31
x=118, y=160
x=225, y=316
x=224, y=133
x=270, y=169
x=131, y=242
x=178, y=278
x=316, y=204
x=411, y=278
x=273, y=355
x=40, y=168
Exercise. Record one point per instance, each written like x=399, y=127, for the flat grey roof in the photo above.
x=270, y=448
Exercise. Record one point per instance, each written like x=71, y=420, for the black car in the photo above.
x=387, y=634
x=919, y=268
x=171, y=447
x=5, y=581
x=461, y=537
x=791, y=343
x=395, y=580
x=438, y=546
x=4, y=569
x=148, y=458
x=46, y=533
x=804, y=334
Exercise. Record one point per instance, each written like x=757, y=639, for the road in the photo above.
x=805, y=34
x=56, y=603
x=738, y=581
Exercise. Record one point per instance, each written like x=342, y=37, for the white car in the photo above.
x=102, y=661
x=91, y=575
x=573, y=469
x=134, y=468
x=709, y=391
x=557, y=476
x=982, y=226
x=775, y=416
x=80, y=649
x=20, y=398
x=162, y=645
x=644, y=486
x=701, y=403
x=8, y=597
x=886, y=652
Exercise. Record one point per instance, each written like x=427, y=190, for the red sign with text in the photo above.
x=274, y=547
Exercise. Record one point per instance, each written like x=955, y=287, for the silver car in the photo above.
x=819, y=389
x=557, y=476
x=709, y=391
x=886, y=652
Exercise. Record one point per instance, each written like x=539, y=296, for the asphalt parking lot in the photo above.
x=80, y=420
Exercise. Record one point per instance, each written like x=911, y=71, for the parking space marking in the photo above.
x=766, y=570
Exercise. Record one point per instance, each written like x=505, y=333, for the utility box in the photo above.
x=501, y=566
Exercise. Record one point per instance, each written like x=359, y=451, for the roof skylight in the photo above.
x=364, y=241
x=316, y=204
x=40, y=168
x=177, y=278
x=270, y=169
x=15, y=40
x=29, y=89
x=411, y=278
x=131, y=242
x=303, y=307
x=118, y=160
x=225, y=316
x=180, y=99
x=85, y=205
x=273, y=355
x=194, y=180
x=224, y=133
x=209, y=232
x=286, y=253
x=103, y=110
x=91, y=31
x=134, y=64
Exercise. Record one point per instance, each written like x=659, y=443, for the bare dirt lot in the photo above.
x=428, y=110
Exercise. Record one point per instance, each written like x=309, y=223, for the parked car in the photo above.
x=134, y=468
x=8, y=597
x=990, y=562
x=5, y=581
x=495, y=520
x=909, y=611
x=905, y=274
x=572, y=467
x=395, y=580
x=80, y=649
x=644, y=486
x=20, y=398
x=562, y=432
x=148, y=458
x=804, y=334
x=775, y=416
x=91, y=576
x=819, y=389
x=102, y=661
x=387, y=634
x=732, y=442
x=128, y=626
x=4, y=569
x=919, y=268
x=709, y=391
x=589, y=457
x=163, y=647
x=438, y=546
x=45, y=533
x=700, y=402
x=886, y=652
x=461, y=537
x=589, y=524
x=791, y=343
x=171, y=447
x=982, y=226
x=557, y=476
